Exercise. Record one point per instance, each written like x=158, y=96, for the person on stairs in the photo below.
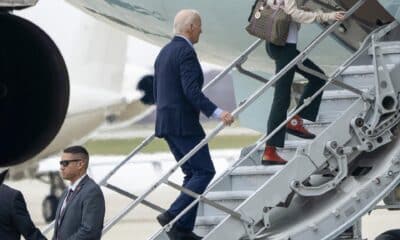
x=283, y=55
x=178, y=79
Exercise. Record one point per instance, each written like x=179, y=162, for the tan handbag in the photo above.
x=269, y=24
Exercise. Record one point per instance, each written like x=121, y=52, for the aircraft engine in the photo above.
x=34, y=90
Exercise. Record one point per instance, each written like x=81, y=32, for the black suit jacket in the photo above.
x=14, y=217
x=84, y=214
x=178, y=79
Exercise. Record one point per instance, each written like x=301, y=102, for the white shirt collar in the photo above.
x=187, y=40
x=73, y=186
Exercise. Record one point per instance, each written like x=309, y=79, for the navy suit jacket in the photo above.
x=14, y=217
x=178, y=79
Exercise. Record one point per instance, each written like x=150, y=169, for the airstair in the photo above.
x=330, y=182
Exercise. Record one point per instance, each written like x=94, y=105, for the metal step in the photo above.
x=316, y=128
x=287, y=152
x=247, y=178
x=250, y=178
x=204, y=224
x=333, y=103
x=361, y=76
x=229, y=199
x=337, y=100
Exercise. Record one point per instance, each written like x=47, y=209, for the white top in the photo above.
x=299, y=16
x=293, y=34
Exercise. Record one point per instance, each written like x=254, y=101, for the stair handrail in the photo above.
x=265, y=137
x=238, y=110
x=165, y=177
x=150, y=138
x=220, y=125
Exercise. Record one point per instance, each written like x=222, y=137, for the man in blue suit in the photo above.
x=178, y=79
x=14, y=216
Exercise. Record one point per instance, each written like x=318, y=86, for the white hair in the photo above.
x=184, y=19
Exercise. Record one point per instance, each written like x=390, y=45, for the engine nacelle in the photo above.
x=34, y=90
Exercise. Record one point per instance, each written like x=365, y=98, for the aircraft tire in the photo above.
x=49, y=208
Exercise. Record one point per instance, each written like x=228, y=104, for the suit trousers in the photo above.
x=198, y=172
x=281, y=101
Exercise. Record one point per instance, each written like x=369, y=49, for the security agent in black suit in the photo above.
x=14, y=216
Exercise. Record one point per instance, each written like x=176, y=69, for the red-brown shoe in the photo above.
x=296, y=128
x=270, y=157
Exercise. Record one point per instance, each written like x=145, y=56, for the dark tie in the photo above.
x=67, y=199
x=70, y=192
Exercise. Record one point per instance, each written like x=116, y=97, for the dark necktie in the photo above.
x=67, y=199
x=70, y=192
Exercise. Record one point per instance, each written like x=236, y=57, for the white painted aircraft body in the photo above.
x=95, y=55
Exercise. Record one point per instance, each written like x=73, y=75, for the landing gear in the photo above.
x=49, y=208
x=50, y=203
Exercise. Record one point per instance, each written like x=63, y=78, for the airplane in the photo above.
x=58, y=86
x=223, y=40
x=147, y=20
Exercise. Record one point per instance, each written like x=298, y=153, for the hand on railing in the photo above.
x=227, y=118
x=339, y=16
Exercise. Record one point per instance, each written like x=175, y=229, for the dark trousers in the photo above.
x=282, y=56
x=198, y=170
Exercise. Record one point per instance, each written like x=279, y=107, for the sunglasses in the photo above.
x=65, y=163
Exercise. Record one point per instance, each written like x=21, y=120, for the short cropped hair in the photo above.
x=79, y=150
x=182, y=24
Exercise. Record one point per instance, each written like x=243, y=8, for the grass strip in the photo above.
x=125, y=146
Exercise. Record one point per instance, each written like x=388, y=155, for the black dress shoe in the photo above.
x=194, y=236
x=164, y=218
x=177, y=234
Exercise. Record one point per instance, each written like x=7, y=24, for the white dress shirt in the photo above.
x=73, y=188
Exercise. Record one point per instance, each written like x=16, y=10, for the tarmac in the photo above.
x=140, y=224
